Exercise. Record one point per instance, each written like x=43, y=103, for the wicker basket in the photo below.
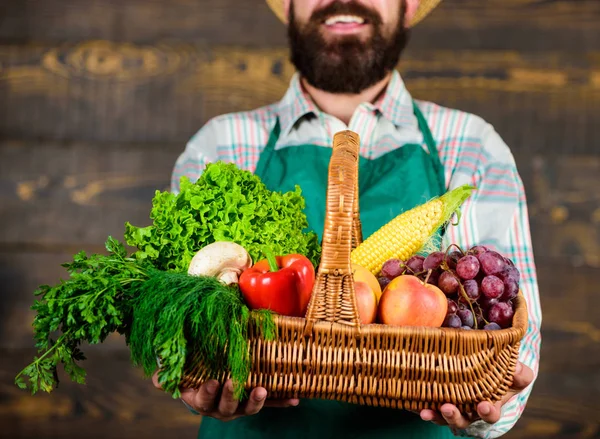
x=330, y=355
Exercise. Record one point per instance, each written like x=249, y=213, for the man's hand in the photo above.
x=206, y=402
x=490, y=413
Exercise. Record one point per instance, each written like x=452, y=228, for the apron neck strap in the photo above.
x=269, y=151
x=423, y=127
x=274, y=136
x=427, y=136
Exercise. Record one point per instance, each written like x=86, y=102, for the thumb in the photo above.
x=155, y=381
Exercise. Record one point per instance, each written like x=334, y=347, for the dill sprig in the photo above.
x=177, y=316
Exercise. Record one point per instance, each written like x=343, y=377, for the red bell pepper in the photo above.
x=282, y=284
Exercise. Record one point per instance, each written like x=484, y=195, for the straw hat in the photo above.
x=425, y=8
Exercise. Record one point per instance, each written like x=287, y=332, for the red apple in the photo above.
x=366, y=300
x=408, y=301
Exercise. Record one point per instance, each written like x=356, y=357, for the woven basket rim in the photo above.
x=516, y=331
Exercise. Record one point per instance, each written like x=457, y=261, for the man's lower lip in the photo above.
x=345, y=28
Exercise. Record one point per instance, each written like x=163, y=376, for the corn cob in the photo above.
x=406, y=234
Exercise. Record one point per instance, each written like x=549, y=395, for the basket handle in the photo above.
x=333, y=298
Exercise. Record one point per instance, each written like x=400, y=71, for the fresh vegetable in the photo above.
x=165, y=314
x=406, y=234
x=282, y=284
x=225, y=204
x=223, y=260
x=176, y=296
x=179, y=317
x=93, y=303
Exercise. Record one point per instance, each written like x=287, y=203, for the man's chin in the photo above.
x=338, y=59
x=350, y=50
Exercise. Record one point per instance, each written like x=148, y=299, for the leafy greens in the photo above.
x=93, y=303
x=225, y=204
x=150, y=299
x=198, y=315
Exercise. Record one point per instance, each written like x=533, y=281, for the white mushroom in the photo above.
x=222, y=259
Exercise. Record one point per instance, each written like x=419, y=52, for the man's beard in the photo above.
x=345, y=65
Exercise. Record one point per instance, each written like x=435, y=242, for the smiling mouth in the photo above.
x=344, y=20
x=345, y=24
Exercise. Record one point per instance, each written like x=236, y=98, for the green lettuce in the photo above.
x=225, y=204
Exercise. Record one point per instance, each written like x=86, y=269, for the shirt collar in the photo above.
x=295, y=104
x=395, y=104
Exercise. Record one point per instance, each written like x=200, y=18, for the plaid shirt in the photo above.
x=469, y=148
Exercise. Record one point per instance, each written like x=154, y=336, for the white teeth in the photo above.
x=344, y=19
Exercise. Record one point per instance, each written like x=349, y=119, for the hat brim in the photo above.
x=425, y=7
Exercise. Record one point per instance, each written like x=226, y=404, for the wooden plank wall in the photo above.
x=98, y=97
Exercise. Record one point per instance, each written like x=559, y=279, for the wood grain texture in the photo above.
x=21, y=272
x=116, y=402
x=78, y=194
x=564, y=205
x=123, y=91
x=225, y=21
x=494, y=24
x=119, y=92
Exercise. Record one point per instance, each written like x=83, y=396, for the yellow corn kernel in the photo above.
x=408, y=232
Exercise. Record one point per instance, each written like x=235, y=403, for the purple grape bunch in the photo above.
x=481, y=286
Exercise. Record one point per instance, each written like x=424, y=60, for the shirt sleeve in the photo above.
x=496, y=216
x=200, y=150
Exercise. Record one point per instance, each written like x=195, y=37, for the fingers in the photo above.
x=155, y=380
x=204, y=399
x=207, y=402
x=453, y=417
x=256, y=401
x=490, y=413
x=228, y=405
x=282, y=403
x=432, y=416
x=523, y=377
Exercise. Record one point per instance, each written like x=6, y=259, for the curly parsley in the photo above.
x=94, y=302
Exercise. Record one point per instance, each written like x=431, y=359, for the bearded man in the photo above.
x=345, y=53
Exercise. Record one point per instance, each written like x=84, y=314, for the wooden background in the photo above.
x=98, y=97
